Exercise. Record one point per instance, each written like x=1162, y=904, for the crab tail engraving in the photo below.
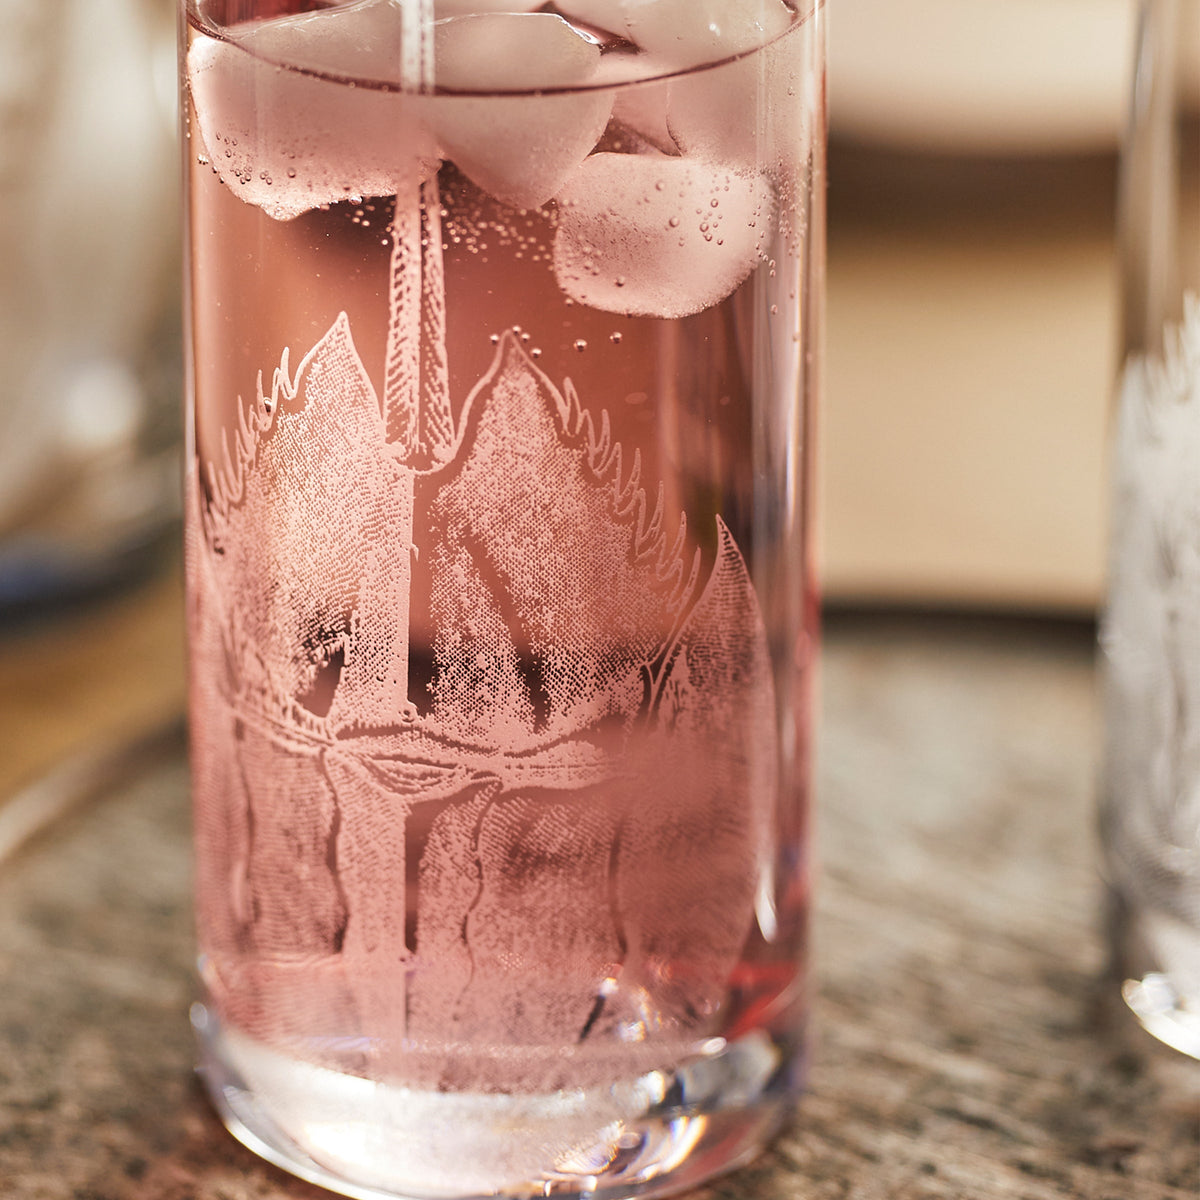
x=416, y=393
x=470, y=872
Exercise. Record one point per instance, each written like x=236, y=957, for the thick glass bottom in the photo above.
x=1156, y=954
x=652, y=1135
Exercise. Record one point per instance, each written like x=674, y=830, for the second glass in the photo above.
x=504, y=334
x=1150, y=816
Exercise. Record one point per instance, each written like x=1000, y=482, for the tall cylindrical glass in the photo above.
x=504, y=339
x=1151, y=630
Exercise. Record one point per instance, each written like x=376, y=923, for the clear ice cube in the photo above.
x=462, y=8
x=608, y=15
x=289, y=140
x=657, y=236
x=686, y=32
x=750, y=114
x=519, y=148
x=512, y=52
x=360, y=40
x=641, y=107
x=644, y=110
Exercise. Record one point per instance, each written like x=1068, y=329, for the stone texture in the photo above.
x=966, y=1042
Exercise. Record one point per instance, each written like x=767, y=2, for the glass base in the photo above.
x=1157, y=957
x=1163, y=1012
x=653, y=1135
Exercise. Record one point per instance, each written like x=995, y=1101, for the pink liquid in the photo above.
x=499, y=723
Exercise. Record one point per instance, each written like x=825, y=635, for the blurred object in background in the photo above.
x=972, y=299
x=1151, y=628
x=89, y=400
x=974, y=76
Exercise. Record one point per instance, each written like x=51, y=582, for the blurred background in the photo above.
x=972, y=324
x=89, y=341
x=90, y=364
x=972, y=312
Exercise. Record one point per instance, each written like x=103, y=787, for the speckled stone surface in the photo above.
x=966, y=1044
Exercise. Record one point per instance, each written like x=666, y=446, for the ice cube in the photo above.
x=520, y=148
x=289, y=141
x=512, y=52
x=658, y=236
x=462, y=8
x=360, y=40
x=755, y=113
x=608, y=15
x=641, y=107
x=644, y=110
x=686, y=32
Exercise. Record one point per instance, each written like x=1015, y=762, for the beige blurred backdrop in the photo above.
x=972, y=321
x=973, y=299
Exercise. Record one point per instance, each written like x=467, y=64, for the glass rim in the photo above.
x=804, y=13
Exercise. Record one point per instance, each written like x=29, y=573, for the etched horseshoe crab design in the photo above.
x=547, y=831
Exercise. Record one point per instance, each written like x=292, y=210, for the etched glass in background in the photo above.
x=89, y=403
x=1151, y=628
x=503, y=353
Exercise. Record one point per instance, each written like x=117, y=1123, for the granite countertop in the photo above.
x=966, y=1043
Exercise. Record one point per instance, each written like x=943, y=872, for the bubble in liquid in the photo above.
x=615, y=337
x=580, y=345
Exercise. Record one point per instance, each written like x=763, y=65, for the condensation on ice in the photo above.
x=658, y=236
x=288, y=140
x=520, y=148
x=291, y=140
